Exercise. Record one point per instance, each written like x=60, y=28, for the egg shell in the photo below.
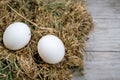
x=51, y=49
x=16, y=36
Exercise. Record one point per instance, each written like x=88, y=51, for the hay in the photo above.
x=67, y=19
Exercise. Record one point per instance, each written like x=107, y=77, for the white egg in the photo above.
x=51, y=49
x=16, y=36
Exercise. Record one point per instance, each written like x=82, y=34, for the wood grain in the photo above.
x=105, y=36
x=106, y=16
x=101, y=66
x=104, y=8
x=102, y=61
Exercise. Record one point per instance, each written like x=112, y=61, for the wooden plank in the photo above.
x=105, y=12
x=105, y=36
x=101, y=66
x=104, y=3
x=111, y=23
x=104, y=64
x=104, y=8
x=106, y=16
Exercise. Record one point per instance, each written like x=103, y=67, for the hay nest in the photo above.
x=67, y=19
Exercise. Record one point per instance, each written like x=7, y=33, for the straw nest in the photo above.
x=67, y=19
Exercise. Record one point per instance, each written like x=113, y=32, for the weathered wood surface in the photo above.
x=106, y=35
x=103, y=66
x=106, y=16
x=102, y=61
x=104, y=8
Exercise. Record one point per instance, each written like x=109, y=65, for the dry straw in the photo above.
x=67, y=19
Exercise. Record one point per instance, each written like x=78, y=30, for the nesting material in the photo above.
x=67, y=19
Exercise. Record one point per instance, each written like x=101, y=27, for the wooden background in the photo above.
x=102, y=61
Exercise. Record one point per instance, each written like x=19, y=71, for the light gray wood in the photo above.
x=102, y=61
x=101, y=66
x=103, y=3
x=104, y=8
x=106, y=16
x=106, y=36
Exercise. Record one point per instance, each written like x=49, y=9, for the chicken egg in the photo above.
x=16, y=36
x=51, y=49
